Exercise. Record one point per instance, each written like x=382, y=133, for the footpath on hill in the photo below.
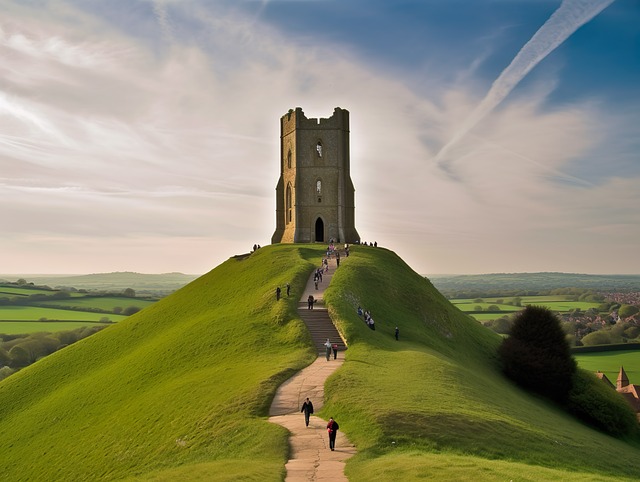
x=311, y=459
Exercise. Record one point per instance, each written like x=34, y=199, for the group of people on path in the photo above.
x=332, y=425
x=329, y=348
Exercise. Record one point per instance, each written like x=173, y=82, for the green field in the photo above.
x=467, y=306
x=609, y=363
x=557, y=303
x=8, y=291
x=154, y=284
x=100, y=302
x=20, y=313
x=24, y=328
x=181, y=390
x=34, y=313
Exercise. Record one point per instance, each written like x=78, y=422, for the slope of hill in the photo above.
x=181, y=390
x=177, y=391
x=434, y=403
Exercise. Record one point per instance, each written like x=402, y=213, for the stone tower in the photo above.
x=315, y=195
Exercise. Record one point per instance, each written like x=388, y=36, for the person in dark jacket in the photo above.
x=307, y=408
x=332, y=428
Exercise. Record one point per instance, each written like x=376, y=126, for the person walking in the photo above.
x=278, y=291
x=397, y=333
x=310, y=302
x=328, y=348
x=332, y=428
x=334, y=347
x=307, y=408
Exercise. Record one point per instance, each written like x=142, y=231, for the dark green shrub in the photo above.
x=537, y=356
x=626, y=311
x=5, y=371
x=20, y=357
x=597, y=338
x=600, y=406
x=130, y=310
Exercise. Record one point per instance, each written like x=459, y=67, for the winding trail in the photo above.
x=311, y=459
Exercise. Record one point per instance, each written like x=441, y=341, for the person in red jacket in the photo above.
x=332, y=428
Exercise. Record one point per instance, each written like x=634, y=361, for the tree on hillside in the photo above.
x=130, y=310
x=537, y=355
x=129, y=293
x=599, y=337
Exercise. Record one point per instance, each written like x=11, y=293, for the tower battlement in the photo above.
x=296, y=119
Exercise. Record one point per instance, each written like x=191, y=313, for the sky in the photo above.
x=487, y=136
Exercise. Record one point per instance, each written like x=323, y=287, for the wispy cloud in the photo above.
x=569, y=17
x=167, y=159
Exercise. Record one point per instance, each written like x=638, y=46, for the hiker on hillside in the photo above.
x=307, y=408
x=397, y=333
x=332, y=428
x=278, y=291
x=310, y=302
x=328, y=348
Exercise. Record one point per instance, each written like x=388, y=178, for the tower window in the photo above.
x=289, y=160
x=319, y=148
x=319, y=186
x=288, y=204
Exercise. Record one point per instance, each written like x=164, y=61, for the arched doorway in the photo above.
x=319, y=231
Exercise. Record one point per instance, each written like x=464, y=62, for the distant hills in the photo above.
x=117, y=281
x=535, y=281
x=165, y=283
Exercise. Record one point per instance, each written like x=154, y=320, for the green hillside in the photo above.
x=434, y=404
x=181, y=390
x=176, y=392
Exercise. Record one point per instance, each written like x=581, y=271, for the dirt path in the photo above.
x=311, y=459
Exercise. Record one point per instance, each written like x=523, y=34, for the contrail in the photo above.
x=570, y=16
x=162, y=17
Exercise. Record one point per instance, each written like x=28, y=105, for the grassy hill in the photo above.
x=181, y=390
x=176, y=392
